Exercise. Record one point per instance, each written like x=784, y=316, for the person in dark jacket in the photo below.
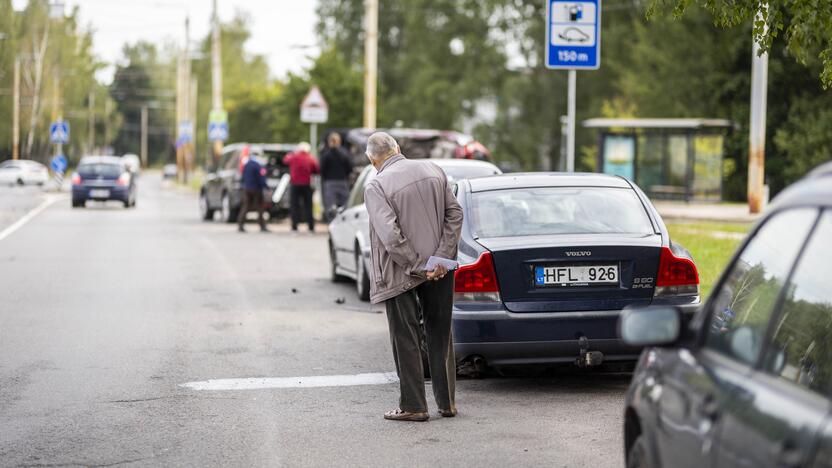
x=252, y=186
x=302, y=165
x=336, y=167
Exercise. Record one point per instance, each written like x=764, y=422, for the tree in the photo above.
x=145, y=80
x=806, y=25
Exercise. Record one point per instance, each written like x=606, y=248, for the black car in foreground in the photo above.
x=103, y=178
x=548, y=262
x=748, y=382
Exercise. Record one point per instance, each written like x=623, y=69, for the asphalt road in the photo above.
x=105, y=312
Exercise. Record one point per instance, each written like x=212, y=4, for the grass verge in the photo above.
x=710, y=251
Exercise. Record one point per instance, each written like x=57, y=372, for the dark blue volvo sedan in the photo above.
x=548, y=261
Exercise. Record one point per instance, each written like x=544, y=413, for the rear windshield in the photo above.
x=559, y=210
x=100, y=169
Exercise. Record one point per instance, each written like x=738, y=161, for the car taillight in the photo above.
x=477, y=281
x=76, y=179
x=677, y=275
x=123, y=179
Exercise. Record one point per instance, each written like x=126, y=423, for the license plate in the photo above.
x=100, y=193
x=576, y=275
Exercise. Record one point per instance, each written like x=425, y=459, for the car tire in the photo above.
x=637, y=456
x=333, y=263
x=78, y=203
x=126, y=203
x=205, y=212
x=229, y=215
x=362, y=278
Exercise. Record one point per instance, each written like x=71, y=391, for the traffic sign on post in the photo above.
x=314, y=108
x=573, y=34
x=59, y=132
x=58, y=164
x=218, y=125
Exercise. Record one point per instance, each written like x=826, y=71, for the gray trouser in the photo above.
x=435, y=300
x=335, y=194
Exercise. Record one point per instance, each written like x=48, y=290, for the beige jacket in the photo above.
x=413, y=215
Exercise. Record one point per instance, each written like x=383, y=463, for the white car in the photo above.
x=133, y=163
x=349, y=231
x=23, y=172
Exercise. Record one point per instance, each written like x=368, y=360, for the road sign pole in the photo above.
x=313, y=138
x=570, y=110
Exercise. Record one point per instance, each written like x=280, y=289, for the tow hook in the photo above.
x=587, y=358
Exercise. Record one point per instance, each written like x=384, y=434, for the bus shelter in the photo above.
x=677, y=159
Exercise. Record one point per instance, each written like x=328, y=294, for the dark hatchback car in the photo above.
x=221, y=189
x=748, y=382
x=548, y=262
x=103, y=178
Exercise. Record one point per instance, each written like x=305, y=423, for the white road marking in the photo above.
x=255, y=383
x=27, y=217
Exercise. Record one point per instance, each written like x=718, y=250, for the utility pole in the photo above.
x=144, y=136
x=757, y=129
x=91, y=123
x=370, y=62
x=192, y=118
x=216, y=74
x=16, y=111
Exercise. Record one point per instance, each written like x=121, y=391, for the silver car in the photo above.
x=349, y=231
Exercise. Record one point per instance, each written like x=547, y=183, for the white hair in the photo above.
x=380, y=145
x=305, y=147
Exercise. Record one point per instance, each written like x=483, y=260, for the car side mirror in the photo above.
x=650, y=326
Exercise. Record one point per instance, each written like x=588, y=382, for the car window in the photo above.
x=232, y=162
x=357, y=193
x=9, y=165
x=801, y=348
x=744, y=303
x=559, y=210
x=100, y=169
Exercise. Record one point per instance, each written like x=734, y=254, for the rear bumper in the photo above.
x=506, y=338
x=82, y=192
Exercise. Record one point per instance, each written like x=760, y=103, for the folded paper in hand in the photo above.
x=434, y=261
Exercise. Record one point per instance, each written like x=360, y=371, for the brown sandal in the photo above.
x=399, y=415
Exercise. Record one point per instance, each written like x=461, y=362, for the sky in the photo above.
x=282, y=30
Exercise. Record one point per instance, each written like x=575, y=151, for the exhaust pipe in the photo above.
x=472, y=366
x=587, y=358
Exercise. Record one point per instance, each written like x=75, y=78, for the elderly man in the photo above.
x=413, y=216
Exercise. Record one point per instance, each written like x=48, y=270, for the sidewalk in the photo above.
x=718, y=212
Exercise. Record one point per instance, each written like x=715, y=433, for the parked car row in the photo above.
x=580, y=268
x=548, y=261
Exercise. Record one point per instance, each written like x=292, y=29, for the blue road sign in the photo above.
x=218, y=131
x=573, y=34
x=58, y=164
x=59, y=132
